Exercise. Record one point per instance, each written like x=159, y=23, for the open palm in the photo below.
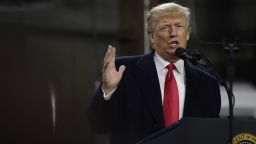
x=110, y=76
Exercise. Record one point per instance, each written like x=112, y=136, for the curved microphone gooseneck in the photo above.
x=198, y=58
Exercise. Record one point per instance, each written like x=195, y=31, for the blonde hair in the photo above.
x=166, y=9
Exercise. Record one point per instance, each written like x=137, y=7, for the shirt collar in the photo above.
x=161, y=64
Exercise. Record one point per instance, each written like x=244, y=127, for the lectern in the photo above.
x=204, y=131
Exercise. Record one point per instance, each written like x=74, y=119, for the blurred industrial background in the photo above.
x=52, y=52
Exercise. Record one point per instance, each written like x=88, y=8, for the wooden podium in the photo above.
x=204, y=131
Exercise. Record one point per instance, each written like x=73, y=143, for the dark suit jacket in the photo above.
x=135, y=109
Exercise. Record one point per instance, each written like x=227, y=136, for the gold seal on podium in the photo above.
x=244, y=138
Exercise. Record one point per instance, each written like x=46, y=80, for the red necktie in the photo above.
x=171, y=97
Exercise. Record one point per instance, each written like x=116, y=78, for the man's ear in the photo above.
x=151, y=37
x=189, y=31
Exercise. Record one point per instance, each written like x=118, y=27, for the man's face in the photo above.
x=170, y=33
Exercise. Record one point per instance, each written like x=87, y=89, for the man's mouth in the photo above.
x=174, y=44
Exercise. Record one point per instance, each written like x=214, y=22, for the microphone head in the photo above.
x=181, y=53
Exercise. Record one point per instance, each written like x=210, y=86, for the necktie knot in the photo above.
x=170, y=67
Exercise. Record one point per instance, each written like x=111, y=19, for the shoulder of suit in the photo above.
x=202, y=72
x=128, y=60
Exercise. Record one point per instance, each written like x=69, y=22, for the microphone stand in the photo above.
x=205, y=62
x=231, y=48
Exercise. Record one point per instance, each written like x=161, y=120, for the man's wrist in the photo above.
x=108, y=95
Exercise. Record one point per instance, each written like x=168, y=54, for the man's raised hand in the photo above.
x=110, y=76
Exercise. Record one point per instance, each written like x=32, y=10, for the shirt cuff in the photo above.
x=107, y=97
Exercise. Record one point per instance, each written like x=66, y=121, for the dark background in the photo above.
x=52, y=52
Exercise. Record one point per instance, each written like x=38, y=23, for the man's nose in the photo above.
x=173, y=32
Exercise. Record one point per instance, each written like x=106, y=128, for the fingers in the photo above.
x=121, y=69
x=113, y=53
x=106, y=60
x=109, y=58
x=107, y=55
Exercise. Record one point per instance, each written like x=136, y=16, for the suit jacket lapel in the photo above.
x=191, y=98
x=147, y=76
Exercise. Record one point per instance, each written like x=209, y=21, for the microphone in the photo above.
x=199, y=58
x=185, y=54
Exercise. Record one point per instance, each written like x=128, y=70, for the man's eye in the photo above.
x=179, y=26
x=165, y=28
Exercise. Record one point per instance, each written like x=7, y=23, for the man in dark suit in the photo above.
x=130, y=102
